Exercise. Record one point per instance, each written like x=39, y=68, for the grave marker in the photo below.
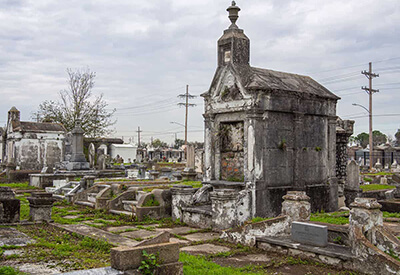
x=311, y=234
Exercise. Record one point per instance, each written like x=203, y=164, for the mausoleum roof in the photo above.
x=39, y=127
x=265, y=79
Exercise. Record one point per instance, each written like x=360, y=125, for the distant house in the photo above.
x=32, y=145
x=125, y=151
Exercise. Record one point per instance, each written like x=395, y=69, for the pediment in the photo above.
x=227, y=87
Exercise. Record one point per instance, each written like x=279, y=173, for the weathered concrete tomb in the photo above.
x=31, y=145
x=267, y=132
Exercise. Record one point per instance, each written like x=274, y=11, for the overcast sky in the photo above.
x=145, y=52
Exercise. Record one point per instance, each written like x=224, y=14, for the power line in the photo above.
x=186, y=96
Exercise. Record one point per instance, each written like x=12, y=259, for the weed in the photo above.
x=372, y=187
x=8, y=270
x=392, y=254
x=338, y=240
x=333, y=218
x=318, y=149
x=149, y=264
x=152, y=201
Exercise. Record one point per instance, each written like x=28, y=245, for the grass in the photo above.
x=8, y=270
x=20, y=185
x=332, y=218
x=374, y=187
x=194, y=265
x=53, y=244
x=152, y=201
x=194, y=184
x=378, y=174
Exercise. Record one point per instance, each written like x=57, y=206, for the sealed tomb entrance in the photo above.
x=231, y=135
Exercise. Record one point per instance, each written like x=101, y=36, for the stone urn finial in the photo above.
x=233, y=14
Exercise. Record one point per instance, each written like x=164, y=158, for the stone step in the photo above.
x=65, y=190
x=332, y=250
x=59, y=197
x=92, y=197
x=129, y=205
x=85, y=203
x=119, y=212
x=50, y=189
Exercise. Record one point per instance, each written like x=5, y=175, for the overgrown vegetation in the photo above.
x=152, y=201
x=8, y=270
x=55, y=245
x=19, y=185
x=149, y=264
x=333, y=218
x=378, y=174
x=374, y=187
x=200, y=265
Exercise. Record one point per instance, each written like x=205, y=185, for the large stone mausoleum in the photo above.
x=267, y=132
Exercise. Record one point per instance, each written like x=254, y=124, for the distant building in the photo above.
x=31, y=145
x=125, y=151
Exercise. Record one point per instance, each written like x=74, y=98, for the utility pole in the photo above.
x=138, y=131
x=370, y=91
x=186, y=96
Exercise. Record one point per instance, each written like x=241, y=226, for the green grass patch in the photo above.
x=152, y=201
x=194, y=265
x=20, y=185
x=378, y=174
x=194, y=184
x=332, y=218
x=53, y=244
x=374, y=187
x=367, y=179
x=8, y=270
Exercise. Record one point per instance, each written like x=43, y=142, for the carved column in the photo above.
x=298, y=128
x=297, y=206
x=209, y=147
x=181, y=196
x=224, y=208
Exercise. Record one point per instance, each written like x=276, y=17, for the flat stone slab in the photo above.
x=142, y=234
x=97, y=233
x=97, y=271
x=255, y=258
x=11, y=236
x=176, y=240
x=202, y=236
x=36, y=269
x=204, y=249
x=177, y=230
x=122, y=228
x=71, y=217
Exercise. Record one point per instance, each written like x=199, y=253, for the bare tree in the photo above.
x=77, y=102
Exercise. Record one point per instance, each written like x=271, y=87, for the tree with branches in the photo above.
x=78, y=102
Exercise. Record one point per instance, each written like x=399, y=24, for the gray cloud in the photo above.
x=145, y=52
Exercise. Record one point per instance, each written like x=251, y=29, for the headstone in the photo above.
x=92, y=154
x=133, y=173
x=384, y=180
x=9, y=206
x=311, y=234
x=78, y=159
x=353, y=176
x=190, y=156
x=378, y=165
x=395, y=168
x=46, y=170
